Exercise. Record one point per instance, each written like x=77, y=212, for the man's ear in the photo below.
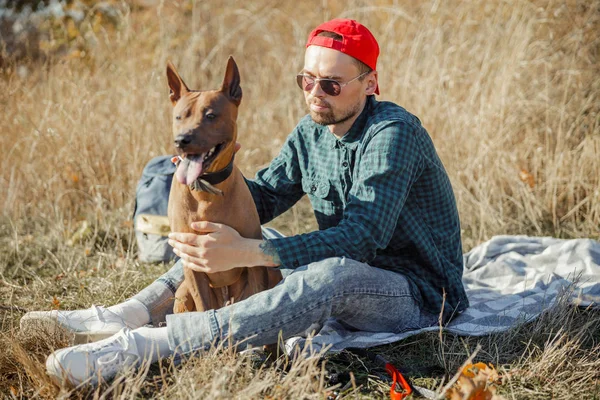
x=176, y=84
x=231, y=82
x=371, y=83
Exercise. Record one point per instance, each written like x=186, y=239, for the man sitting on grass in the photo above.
x=387, y=256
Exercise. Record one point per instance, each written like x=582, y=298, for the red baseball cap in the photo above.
x=357, y=41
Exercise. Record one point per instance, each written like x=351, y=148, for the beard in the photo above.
x=331, y=117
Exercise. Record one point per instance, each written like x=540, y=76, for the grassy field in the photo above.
x=509, y=90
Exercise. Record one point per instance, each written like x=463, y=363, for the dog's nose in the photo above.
x=182, y=140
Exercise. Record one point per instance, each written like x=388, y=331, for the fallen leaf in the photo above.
x=471, y=370
x=55, y=303
x=527, y=178
x=476, y=382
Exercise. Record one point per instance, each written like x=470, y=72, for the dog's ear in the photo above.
x=176, y=84
x=231, y=82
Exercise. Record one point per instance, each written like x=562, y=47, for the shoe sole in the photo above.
x=51, y=327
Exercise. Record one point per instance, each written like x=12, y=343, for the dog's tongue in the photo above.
x=189, y=169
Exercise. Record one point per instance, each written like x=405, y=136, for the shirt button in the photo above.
x=345, y=164
x=313, y=188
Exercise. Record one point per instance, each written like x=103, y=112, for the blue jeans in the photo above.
x=358, y=295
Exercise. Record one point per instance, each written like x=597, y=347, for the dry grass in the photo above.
x=509, y=91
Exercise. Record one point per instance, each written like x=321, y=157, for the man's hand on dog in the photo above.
x=217, y=248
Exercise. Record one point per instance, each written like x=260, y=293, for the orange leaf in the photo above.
x=471, y=370
x=527, y=178
x=55, y=303
x=476, y=382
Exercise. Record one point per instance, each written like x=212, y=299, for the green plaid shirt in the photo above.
x=380, y=195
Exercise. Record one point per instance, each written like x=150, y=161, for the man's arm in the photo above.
x=391, y=163
x=218, y=248
x=270, y=252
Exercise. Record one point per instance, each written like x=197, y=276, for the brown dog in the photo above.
x=208, y=187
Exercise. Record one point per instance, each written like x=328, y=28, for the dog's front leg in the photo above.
x=201, y=291
x=194, y=293
x=184, y=302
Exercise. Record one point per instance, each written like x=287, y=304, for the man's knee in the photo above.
x=333, y=271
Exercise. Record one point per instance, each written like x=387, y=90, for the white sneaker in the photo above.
x=92, y=361
x=81, y=326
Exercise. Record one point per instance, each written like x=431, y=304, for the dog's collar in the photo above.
x=205, y=182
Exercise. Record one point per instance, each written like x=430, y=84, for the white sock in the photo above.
x=152, y=343
x=133, y=312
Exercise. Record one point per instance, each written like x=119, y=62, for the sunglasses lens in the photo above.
x=305, y=83
x=330, y=87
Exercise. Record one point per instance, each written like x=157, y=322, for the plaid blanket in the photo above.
x=509, y=280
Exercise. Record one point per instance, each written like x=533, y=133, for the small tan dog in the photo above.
x=208, y=187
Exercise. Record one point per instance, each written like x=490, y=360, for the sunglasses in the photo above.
x=329, y=86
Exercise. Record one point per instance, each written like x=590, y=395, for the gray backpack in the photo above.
x=150, y=214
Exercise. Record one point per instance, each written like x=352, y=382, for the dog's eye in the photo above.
x=211, y=116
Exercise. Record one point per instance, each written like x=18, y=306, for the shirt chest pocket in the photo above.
x=316, y=188
x=324, y=199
